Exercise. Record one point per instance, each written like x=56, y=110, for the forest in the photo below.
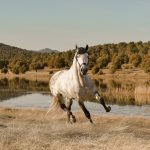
x=112, y=56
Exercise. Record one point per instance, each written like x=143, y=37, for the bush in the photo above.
x=100, y=72
x=3, y=64
x=23, y=69
x=135, y=59
x=19, y=66
x=112, y=69
x=51, y=72
x=15, y=70
x=146, y=64
x=4, y=70
x=36, y=66
x=118, y=61
x=103, y=61
x=95, y=70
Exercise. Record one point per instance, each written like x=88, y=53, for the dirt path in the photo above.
x=26, y=129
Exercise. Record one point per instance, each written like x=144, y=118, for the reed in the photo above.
x=142, y=95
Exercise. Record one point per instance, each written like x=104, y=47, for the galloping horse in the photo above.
x=67, y=85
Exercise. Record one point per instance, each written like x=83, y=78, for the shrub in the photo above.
x=103, y=61
x=4, y=70
x=95, y=70
x=100, y=72
x=15, y=70
x=112, y=69
x=3, y=64
x=51, y=72
x=36, y=66
x=146, y=64
x=19, y=66
x=135, y=59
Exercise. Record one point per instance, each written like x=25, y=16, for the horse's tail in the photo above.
x=55, y=105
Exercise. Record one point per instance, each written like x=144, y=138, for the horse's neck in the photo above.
x=76, y=74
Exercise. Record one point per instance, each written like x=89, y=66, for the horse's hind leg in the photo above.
x=101, y=100
x=86, y=112
x=68, y=105
x=107, y=108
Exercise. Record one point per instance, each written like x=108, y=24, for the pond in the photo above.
x=126, y=97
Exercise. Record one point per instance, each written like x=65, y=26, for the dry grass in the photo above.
x=122, y=74
x=43, y=75
x=142, y=95
x=40, y=75
x=26, y=129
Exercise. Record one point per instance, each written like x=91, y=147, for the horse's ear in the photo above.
x=76, y=47
x=87, y=47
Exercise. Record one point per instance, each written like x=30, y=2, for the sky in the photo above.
x=61, y=24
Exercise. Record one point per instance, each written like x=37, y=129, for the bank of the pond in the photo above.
x=40, y=100
x=29, y=129
x=45, y=74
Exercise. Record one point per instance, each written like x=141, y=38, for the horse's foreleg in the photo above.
x=101, y=100
x=69, y=113
x=69, y=104
x=86, y=112
x=63, y=106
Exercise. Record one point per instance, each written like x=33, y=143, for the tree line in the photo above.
x=111, y=56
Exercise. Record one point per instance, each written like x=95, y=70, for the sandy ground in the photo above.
x=28, y=129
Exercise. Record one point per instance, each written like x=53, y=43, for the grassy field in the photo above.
x=28, y=129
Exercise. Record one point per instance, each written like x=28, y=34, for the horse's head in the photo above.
x=82, y=58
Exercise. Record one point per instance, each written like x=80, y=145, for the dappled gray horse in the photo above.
x=67, y=85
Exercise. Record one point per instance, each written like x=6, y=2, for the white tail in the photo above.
x=54, y=108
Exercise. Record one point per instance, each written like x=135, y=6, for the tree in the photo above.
x=135, y=59
x=4, y=70
x=95, y=69
x=103, y=61
x=19, y=66
x=60, y=62
x=118, y=61
x=36, y=66
x=3, y=64
x=15, y=70
x=146, y=64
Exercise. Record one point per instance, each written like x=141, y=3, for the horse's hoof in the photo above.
x=108, y=109
x=91, y=121
x=74, y=119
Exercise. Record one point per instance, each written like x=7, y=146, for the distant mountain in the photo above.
x=48, y=50
x=7, y=52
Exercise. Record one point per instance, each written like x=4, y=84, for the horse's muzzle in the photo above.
x=84, y=70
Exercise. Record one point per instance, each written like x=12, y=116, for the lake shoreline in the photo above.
x=44, y=75
x=30, y=129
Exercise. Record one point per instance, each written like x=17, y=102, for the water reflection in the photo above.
x=126, y=92
x=20, y=86
x=37, y=100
